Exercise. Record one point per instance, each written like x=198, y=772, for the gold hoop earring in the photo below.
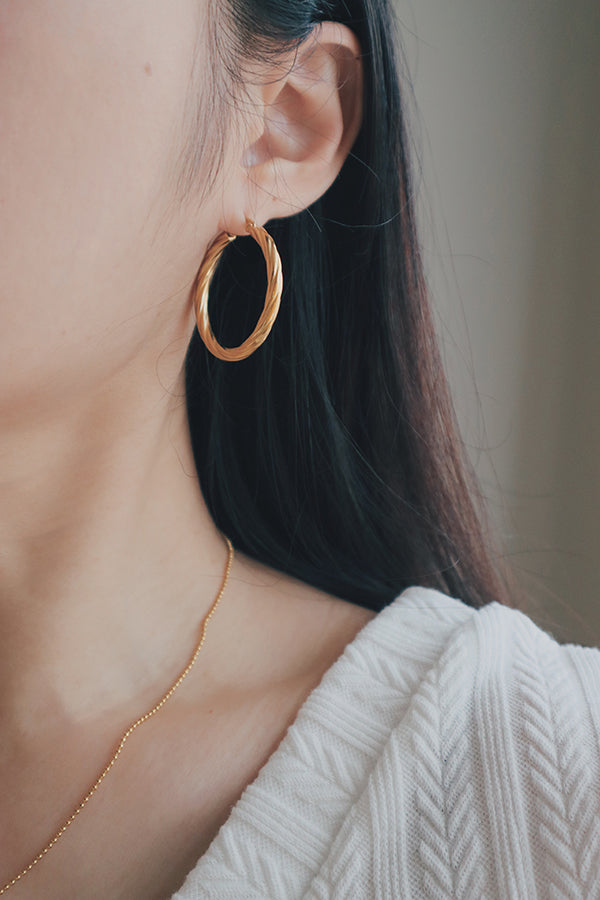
x=272, y=300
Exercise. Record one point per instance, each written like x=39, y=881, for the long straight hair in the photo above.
x=332, y=453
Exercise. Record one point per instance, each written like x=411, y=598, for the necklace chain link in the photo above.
x=147, y=715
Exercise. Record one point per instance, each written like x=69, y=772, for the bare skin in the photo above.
x=109, y=558
x=175, y=784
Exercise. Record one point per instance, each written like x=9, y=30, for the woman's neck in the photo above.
x=109, y=556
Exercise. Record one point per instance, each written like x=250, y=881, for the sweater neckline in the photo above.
x=223, y=862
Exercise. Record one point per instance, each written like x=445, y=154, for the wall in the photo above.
x=506, y=130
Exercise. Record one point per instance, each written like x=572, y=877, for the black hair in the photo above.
x=332, y=453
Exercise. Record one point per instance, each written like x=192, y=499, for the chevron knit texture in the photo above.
x=448, y=753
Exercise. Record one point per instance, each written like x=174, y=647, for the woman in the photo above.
x=231, y=664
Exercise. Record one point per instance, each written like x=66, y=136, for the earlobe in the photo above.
x=311, y=118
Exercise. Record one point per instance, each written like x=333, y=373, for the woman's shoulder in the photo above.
x=490, y=771
x=425, y=631
x=448, y=751
x=508, y=672
x=488, y=682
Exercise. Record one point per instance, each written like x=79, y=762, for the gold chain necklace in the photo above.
x=129, y=731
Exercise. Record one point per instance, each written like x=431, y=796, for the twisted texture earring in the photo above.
x=272, y=300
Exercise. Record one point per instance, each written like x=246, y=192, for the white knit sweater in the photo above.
x=448, y=753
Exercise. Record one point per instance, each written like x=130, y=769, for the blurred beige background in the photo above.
x=506, y=125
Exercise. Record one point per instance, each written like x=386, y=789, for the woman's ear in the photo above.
x=307, y=120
